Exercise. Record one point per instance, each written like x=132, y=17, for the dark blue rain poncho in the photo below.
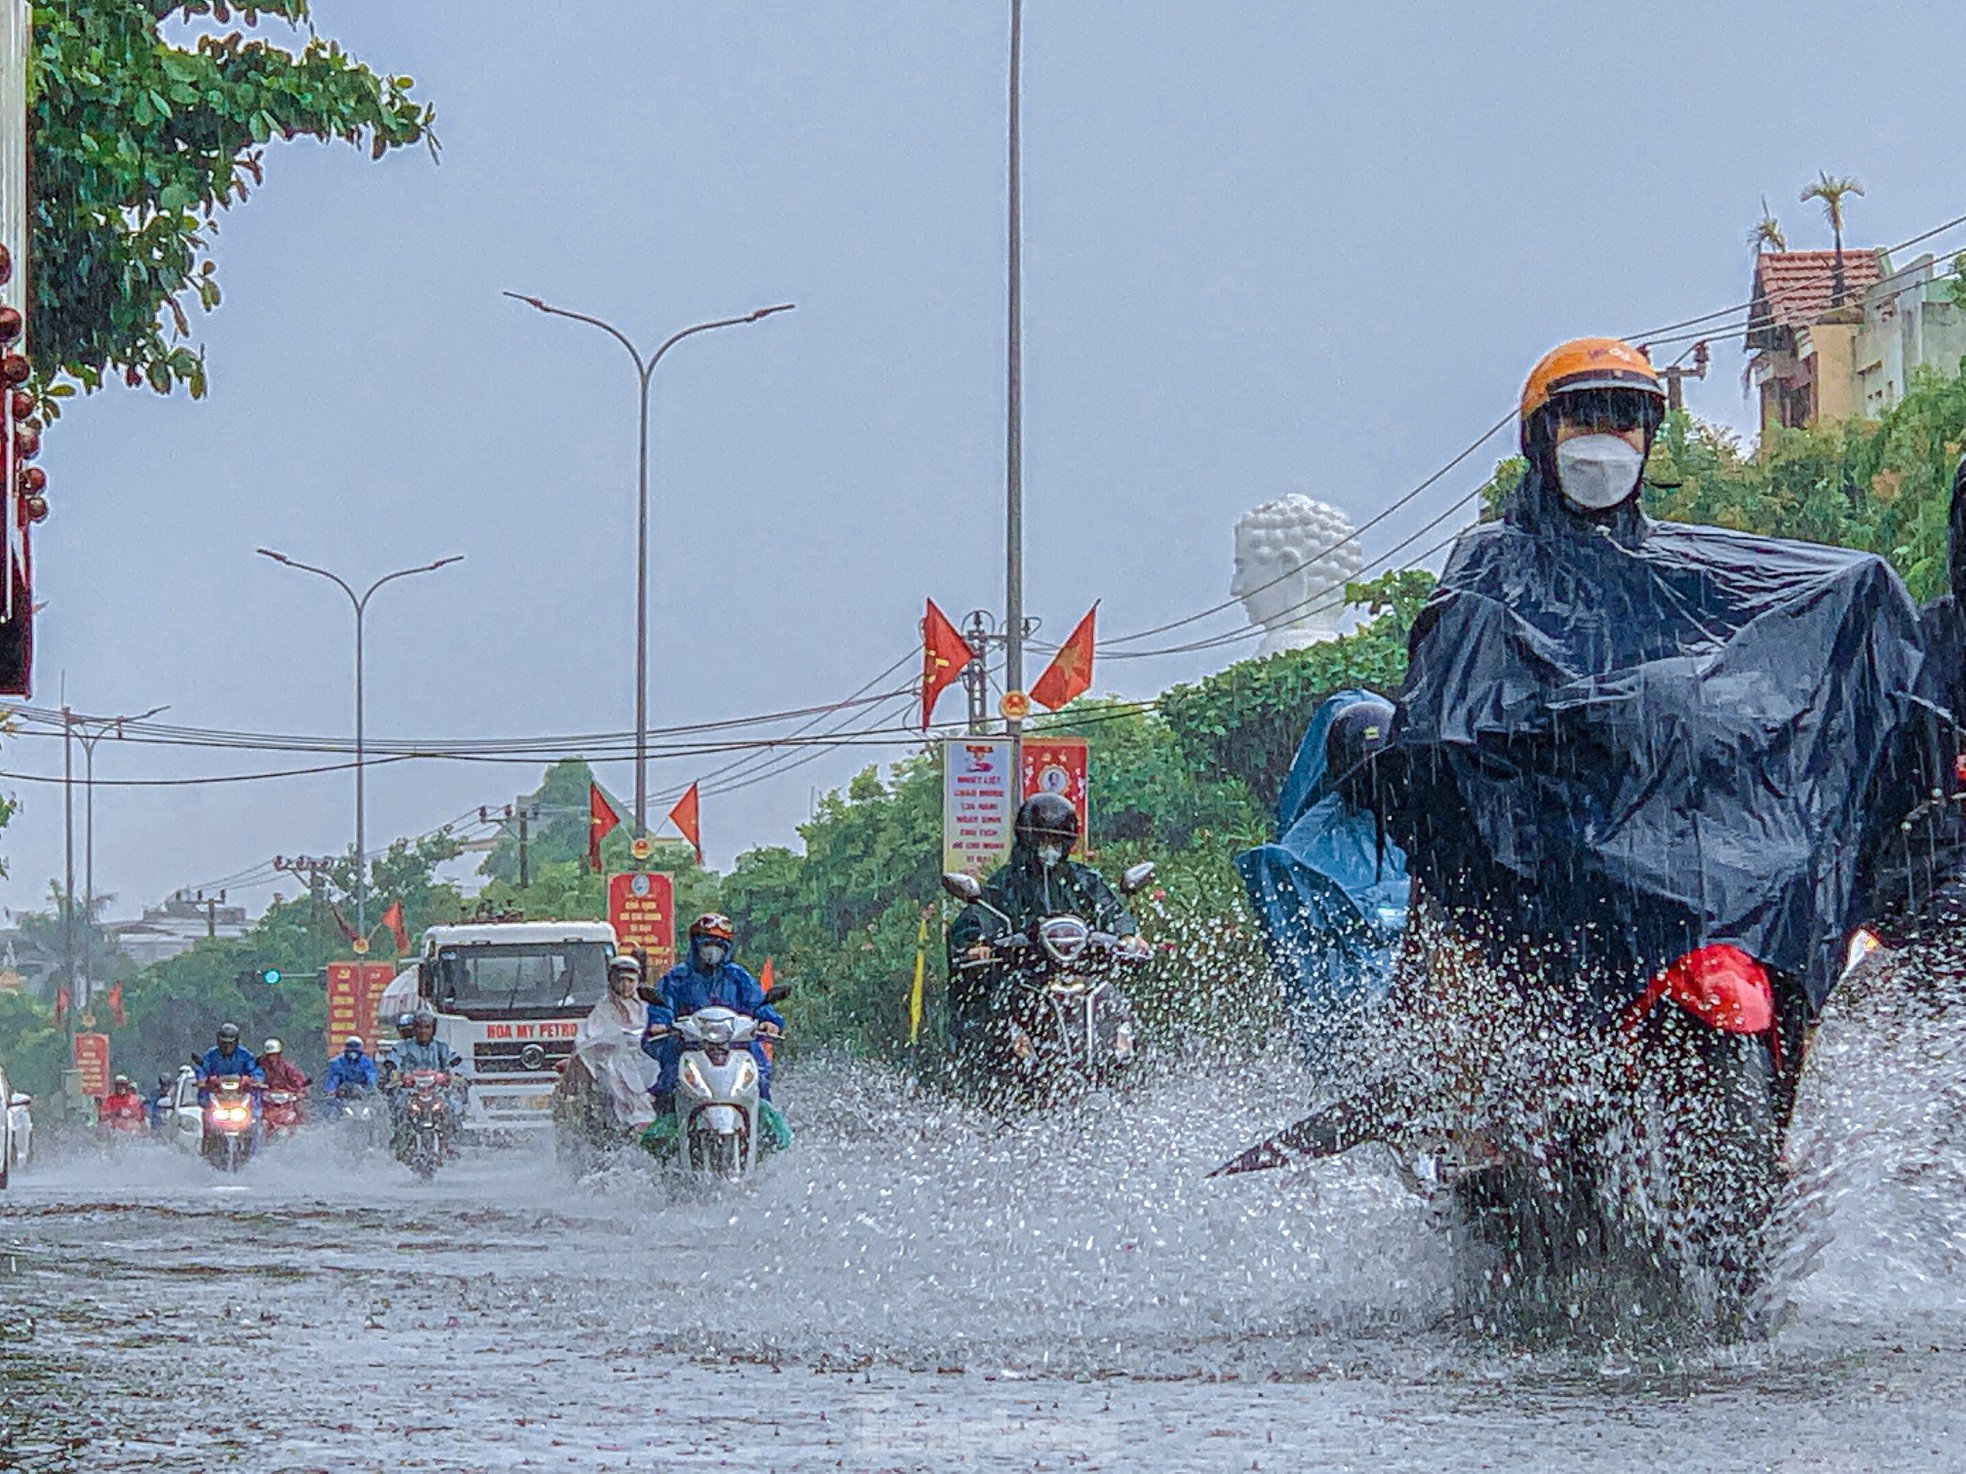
x=1331, y=904
x=1627, y=739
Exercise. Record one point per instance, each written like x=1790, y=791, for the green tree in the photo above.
x=1767, y=233
x=139, y=142
x=1832, y=191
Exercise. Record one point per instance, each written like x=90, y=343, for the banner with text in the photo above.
x=355, y=992
x=92, y=1063
x=977, y=806
x=642, y=911
x=1060, y=765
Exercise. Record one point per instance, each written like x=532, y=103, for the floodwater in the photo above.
x=914, y=1289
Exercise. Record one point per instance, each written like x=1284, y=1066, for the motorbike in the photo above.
x=1058, y=1024
x=359, y=1118
x=423, y=1135
x=114, y=1124
x=720, y=1126
x=1556, y=1140
x=600, y=1102
x=279, y=1114
x=230, y=1134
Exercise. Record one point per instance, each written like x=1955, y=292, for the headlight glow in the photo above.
x=693, y=1075
x=747, y=1073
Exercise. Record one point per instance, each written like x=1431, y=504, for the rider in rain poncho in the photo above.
x=608, y=1045
x=708, y=978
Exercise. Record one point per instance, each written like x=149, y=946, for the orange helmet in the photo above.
x=1588, y=363
x=711, y=924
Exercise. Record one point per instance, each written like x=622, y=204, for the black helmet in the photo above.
x=228, y=1033
x=1356, y=735
x=1047, y=816
x=405, y=1025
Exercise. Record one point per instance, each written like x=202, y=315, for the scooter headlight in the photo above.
x=747, y=1072
x=692, y=1074
x=1123, y=1043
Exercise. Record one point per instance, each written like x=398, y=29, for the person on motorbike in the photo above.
x=278, y=1072
x=225, y=1059
x=1041, y=879
x=405, y=1031
x=424, y=1051
x=351, y=1069
x=161, y=1100
x=121, y=1106
x=709, y=978
x=607, y=1047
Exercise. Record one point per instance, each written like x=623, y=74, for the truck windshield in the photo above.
x=521, y=976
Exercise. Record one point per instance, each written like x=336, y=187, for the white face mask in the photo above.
x=1050, y=854
x=713, y=953
x=1598, y=471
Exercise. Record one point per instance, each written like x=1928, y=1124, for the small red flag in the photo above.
x=601, y=822
x=764, y=978
x=61, y=1003
x=399, y=933
x=1070, y=673
x=944, y=654
x=685, y=816
x=115, y=997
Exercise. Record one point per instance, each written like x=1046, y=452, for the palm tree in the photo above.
x=1767, y=235
x=1831, y=192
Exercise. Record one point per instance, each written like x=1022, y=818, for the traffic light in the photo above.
x=258, y=977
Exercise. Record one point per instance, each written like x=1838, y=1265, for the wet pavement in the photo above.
x=912, y=1289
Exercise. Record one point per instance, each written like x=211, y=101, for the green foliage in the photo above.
x=139, y=143
x=1246, y=721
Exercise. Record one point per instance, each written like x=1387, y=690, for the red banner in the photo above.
x=1060, y=765
x=642, y=910
x=92, y=1061
x=354, y=994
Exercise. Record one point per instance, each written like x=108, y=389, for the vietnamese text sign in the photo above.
x=1060, y=765
x=976, y=803
x=642, y=911
x=92, y=1063
x=354, y=994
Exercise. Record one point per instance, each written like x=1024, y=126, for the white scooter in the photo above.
x=716, y=1128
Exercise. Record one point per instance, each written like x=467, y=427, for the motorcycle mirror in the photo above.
x=1135, y=877
x=778, y=994
x=646, y=992
x=963, y=887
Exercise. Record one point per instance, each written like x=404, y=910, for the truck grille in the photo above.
x=508, y=1057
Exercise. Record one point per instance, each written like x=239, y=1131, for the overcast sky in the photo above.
x=1268, y=248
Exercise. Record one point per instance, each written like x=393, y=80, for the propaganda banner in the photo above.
x=355, y=992
x=977, y=806
x=642, y=911
x=1060, y=765
x=92, y=1063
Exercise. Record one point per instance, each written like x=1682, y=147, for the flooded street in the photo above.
x=911, y=1290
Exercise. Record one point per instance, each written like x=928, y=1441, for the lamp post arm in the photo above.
x=335, y=578
x=703, y=327
x=641, y=369
x=369, y=593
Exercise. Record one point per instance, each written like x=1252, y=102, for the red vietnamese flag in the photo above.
x=1070, y=673
x=601, y=822
x=944, y=654
x=398, y=933
x=685, y=816
x=115, y=997
x=765, y=978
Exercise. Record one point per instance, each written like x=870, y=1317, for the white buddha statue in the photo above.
x=1294, y=557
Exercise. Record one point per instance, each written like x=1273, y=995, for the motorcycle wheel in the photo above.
x=1714, y=1148
x=717, y=1155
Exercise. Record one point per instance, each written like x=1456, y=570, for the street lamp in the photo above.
x=645, y=373
x=89, y=731
x=361, y=605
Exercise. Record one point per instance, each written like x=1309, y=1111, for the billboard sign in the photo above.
x=642, y=911
x=977, y=806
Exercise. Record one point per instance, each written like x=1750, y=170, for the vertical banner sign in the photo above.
x=976, y=803
x=1060, y=765
x=642, y=911
x=92, y=1063
x=355, y=992
x=16, y=597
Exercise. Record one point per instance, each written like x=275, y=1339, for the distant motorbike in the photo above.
x=1058, y=1024
x=229, y=1126
x=718, y=1129
x=358, y=1118
x=423, y=1135
x=279, y=1114
x=114, y=1124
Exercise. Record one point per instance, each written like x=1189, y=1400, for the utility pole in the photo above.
x=68, y=870
x=976, y=675
x=1674, y=374
x=89, y=731
x=523, y=813
x=1013, y=623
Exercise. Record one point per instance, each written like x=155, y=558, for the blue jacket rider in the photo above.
x=350, y=1067
x=708, y=980
x=227, y=1057
x=423, y=1050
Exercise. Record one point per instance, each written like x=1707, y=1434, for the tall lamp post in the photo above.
x=645, y=374
x=89, y=731
x=360, y=602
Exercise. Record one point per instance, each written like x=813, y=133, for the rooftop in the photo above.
x=1793, y=289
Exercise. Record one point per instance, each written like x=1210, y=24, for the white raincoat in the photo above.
x=609, y=1044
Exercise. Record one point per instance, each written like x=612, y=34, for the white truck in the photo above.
x=509, y=997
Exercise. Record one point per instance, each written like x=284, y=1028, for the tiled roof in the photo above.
x=1792, y=289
